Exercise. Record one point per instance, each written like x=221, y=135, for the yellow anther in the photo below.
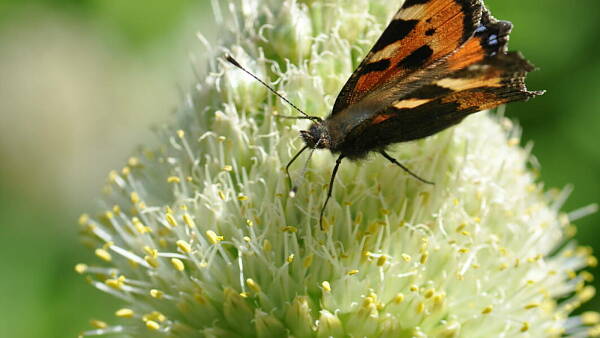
x=104, y=255
x=189, y=178
x=525, y=327
x=112, y=176
x=227, y=168
x=420, y=307
x=406, y=257
x=98, y=324
x=267, y=245
x=513, y=141
x=531, y=306
x=173, y=179
x=487, y=310
x=503, y=266
x=189, y=221
x=151, y=251
x=244, y=294
x=180, y=133
x=461, y=227
x=134, y=197
x=177, y=264
x=384, y=211
x=81, y=268
x=157, y=294
x=592, y=261
x=125, y=313
x=221, y=138
x=126, y=171
x=289, y=228
x=326, y=286
x=590, y=318
x=307, y=261
x=381, y=260
x=586, y=293
x=222, y=195
x=398, y=298
x=141, y=228
x=171, y=220
x=133, y=161
x=242, y=197
x=152, y=325
x=247, y=239
x=155, y=315
x=465, y=233
x=109, y=215
x=212, y=237
x=290, y=258
x=463, y=250
x=115, y=283
x=429, y=293
x=439, y=298
x=84, y=219
x=249, y=223
x=116, y=209
x=253, y=285
x=352, y=272
x=413, y=288
x=153, y=262
x=424, y=258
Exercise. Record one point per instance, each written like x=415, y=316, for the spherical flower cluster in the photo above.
x=201, y=238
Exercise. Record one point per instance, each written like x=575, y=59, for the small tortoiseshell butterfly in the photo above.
x=437, y=62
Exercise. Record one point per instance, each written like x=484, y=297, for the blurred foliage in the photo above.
x=43, y=297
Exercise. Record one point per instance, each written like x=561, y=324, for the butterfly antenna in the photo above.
x=234, y=62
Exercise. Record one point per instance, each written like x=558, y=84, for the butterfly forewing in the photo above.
x=421, y=32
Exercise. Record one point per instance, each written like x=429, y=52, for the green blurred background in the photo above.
x=81, y=82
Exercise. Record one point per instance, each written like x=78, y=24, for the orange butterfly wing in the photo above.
x=421, y=32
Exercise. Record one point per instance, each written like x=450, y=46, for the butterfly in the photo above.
x=437, y=62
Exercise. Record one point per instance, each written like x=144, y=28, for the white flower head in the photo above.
x=201, y=238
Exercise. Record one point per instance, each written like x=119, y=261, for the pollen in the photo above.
x=152, y=325
x=171, y=220
x=125, y=313
x=189, y=221
x=326, y=287
x=81, y=268
x=98, y=324
x=487, y=310
x=406, y=257
x=104, y=255
x=156, y=294
x=525, y=327
x=183, y=246
x=173, y=179
x=253, y=285
x=212, y=237
x=398, y=298
x=177, y=264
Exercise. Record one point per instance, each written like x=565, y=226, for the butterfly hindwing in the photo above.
x=421, y=32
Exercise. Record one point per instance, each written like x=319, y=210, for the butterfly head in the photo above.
x=317, y=136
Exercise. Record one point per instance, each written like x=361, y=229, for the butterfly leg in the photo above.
x=330, y=191
x=287, y=169
x=393, y=160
